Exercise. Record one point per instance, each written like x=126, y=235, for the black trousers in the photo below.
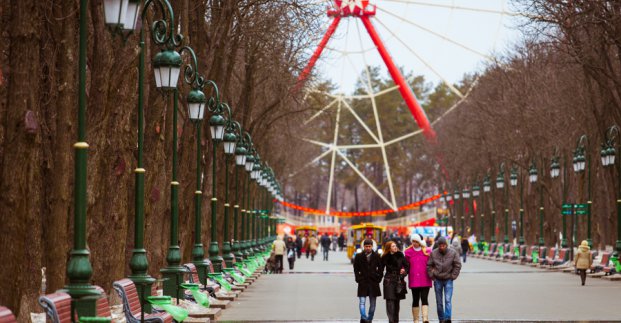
x=420, y=294
x=279, y=263
x=392, y=309
x=291, y=262
x=582, y=275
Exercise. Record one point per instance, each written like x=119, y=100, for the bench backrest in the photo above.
x=551, y=253
x=194, y=278
x=562, y=254
x=103, y=306
x=6, y=316
x=542, y=251
x=57, y=306
x=605, y=258
x=492, y=248
x=129, y=294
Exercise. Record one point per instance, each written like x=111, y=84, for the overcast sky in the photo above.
x=483, y=32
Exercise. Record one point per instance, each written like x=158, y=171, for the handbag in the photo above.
x=290, y=254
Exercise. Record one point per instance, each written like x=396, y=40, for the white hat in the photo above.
x=417, y=238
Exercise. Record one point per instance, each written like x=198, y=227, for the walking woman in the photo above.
x=583, y=260
x=417, y=256
x=397, y=268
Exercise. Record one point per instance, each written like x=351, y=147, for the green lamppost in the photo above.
x=217, y=124
x=476, y=190
x=196, y=111
x=500, y=184
x=486, y=189
x=248, y=167
x=580, y=162
x=456, y=196
x=608, y=154
x=555, y=171
x=240, y=161
x=79, y=269
x=450, y=206
x=230, y=143
x=515, y=180
x=464, y=203
x=532, y=178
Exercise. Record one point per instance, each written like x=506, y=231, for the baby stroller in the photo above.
x=270, y=264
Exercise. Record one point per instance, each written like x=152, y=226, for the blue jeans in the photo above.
x=443, y=303
x=463, y=256
x=363, y=311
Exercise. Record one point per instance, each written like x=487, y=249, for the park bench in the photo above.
x=491, y=250
x=211, y=288
x=528, y=257
x=57, y=306
x=509, y=252
x=132, y=306
x=549, y=257
x=562, y=257
x=6, y=316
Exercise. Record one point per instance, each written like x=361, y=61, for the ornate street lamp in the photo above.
x=217, y=124
x=532, y=178
x=612, y=134
x=230, y=143
x=500, y=184
x=581, y=161
x=555, y=170
x=476, y=190
x=514, y=182
x=240, y=161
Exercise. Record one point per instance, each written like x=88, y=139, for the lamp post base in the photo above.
x=521, y=241
x=493, y=239
x=564, y=243
x=227, y=255
x=214, y=257
x=618, y=247
x=173, y=276
x=237, y=252
x=506, y=238
x=590, y=241
x=542, y=242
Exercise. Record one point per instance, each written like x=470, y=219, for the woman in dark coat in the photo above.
x=395, y=288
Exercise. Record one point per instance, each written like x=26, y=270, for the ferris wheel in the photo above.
x=362, y=33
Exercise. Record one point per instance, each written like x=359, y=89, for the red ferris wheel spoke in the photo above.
x=407, y=94
x=311, y=63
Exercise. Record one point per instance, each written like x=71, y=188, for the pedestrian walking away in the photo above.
x=393, y=261
x=313, y=245
x=368, y=276
x=299, y=244
x=443, y=268
x=341, y=241
x=465, y=247
x=291, y=247
x=325, y=246
x=279, y=248
x=417, y=256
x=583, y=260
x=306, y=246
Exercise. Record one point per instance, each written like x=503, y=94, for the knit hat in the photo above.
x=441, y=240
x=417, y=238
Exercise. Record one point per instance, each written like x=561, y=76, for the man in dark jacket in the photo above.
x=368, y=276
x=298, y=245
x=325, y=246
x=443, y=267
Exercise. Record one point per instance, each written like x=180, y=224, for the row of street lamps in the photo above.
x=581, y=162
x=250, y=235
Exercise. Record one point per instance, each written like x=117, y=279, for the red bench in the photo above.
x=6, y=316
x=131, y=304
x=602, y=263
x=549, y=258
x=57, y=306
x=561, y=258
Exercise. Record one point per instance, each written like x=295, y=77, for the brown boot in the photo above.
x=425, y=311
x=415, y=314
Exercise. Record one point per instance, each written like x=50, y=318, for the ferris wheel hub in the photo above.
x=348, y=8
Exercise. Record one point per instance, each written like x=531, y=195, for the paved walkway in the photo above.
x=485, y=291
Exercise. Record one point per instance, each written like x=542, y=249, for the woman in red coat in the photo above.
x=417, y=256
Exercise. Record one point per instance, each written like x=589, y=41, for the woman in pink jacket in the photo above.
x=418, y=255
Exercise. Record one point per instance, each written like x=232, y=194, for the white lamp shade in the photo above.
x=486, y=188
x=229, y=147
x=197, y=111
x=131, y=17
x=605, y=160
x=611, y=159
x=166, y=76
x=240, y=160
x=249, y=165
x=115, y=12
x=449, y=198
x=475, y=193
x=500, y=184
x=514, y=182
x=217, y=132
